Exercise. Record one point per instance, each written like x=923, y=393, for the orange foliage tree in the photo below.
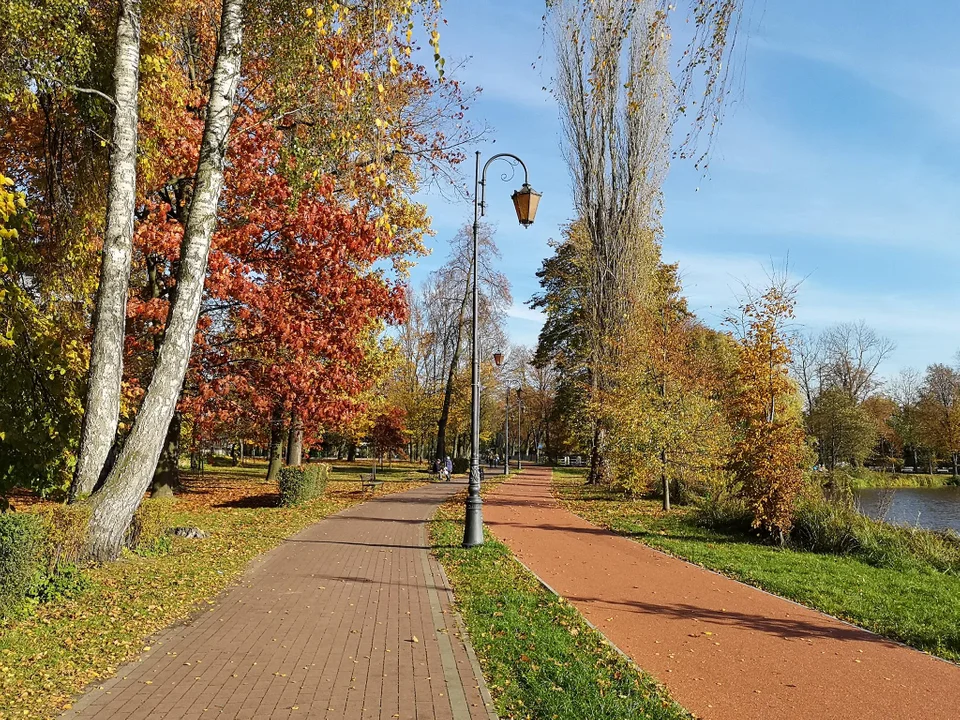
x=769, y=456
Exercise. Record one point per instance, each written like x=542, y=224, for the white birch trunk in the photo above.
x=115, y=503
x=102, y=409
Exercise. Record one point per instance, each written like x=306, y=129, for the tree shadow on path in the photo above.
x=787, y=628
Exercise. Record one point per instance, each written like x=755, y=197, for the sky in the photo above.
x=839, y=154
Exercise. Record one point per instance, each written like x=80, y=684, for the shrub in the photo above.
x=302, y=483
x=64, y=534
x=461, y=465
x=835, y=526
x=825, y=526
x=21, y=545
x=147, y=534
x=322, y=474
x=68, y=581
x=724, y=512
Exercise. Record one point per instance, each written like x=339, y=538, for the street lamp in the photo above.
x=525, y=201
x=519, y=437
x=498, y=359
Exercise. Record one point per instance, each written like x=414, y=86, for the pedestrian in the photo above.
x=448, y=466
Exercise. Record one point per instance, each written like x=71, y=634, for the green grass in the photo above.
x=540, y=659
x=917, y=606
x=863, y=478
x=399, y=472
x=64, y=645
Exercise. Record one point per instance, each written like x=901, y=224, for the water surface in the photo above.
x=931, y=508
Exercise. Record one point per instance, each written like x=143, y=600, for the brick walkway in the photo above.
x=351, y=618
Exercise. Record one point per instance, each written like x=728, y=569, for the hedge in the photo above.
x=302, y=483
x=21, y=550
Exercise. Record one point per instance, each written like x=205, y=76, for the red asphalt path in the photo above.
x=725, y=650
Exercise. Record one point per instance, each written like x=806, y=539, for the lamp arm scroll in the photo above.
x=483, y=177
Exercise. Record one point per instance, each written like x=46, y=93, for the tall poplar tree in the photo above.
x=617, y=103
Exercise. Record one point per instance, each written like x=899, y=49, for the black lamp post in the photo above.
x=498, y=359
x=525, y=201
x=519, y=437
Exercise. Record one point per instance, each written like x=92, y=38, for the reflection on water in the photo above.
x=931, y=508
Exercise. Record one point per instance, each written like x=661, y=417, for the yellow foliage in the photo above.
x=771, y=452
x=43, y=353
x=664, y=412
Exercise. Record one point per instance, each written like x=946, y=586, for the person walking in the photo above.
x=448, y=466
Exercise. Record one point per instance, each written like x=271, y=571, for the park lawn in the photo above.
x=539, y=657
x=66, y=644
x=918, y=607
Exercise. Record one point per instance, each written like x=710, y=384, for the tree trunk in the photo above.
x=295, y=441
x=598, y=464
x=665, y=480
x=351, y=452
x=166, y=478
x=448, y=389
x=276, y=445
x=102, y=408
x=114, y=504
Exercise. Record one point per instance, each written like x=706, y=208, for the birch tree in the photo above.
x=102, y=408
x=116, y=501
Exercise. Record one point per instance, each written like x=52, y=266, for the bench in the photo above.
x=368, y=481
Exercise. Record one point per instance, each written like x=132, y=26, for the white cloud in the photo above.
x=928, y=83
x=770, y=181
x=526, y=314
x=924, y=326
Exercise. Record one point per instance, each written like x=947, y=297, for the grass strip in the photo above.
x=540, y=658
x=65, y=645
x=919, y=607
x=858, y=478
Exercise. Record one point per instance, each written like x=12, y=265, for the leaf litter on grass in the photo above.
x=64, y=646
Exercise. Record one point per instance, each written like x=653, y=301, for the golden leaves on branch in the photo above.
x=769, y=457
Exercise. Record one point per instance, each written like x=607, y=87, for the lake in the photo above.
x=931, y=508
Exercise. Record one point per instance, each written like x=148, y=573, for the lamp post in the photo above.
x=498, y=359
x=525, y=201
x=519, y=438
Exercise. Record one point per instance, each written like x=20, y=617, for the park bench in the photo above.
x=368, y=481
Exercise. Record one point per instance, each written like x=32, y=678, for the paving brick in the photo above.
x=321, y=626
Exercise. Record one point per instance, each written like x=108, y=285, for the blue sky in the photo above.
x=840, y=149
